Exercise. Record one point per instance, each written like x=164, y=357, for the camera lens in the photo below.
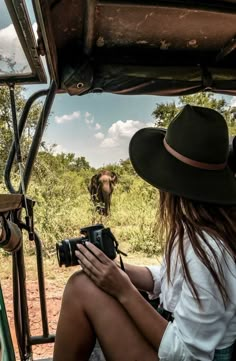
x=66, y=251
x=60, y=254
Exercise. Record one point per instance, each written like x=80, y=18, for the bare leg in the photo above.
x=86, y=313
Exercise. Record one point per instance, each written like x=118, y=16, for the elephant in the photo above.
x=101, y=188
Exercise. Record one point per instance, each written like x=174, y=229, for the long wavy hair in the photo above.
x=180, y=216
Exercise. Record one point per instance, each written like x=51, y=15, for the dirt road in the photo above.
x=53, y=294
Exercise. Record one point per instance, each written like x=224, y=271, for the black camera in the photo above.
x=101, y=237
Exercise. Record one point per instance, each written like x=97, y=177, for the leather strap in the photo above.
x=193, y=163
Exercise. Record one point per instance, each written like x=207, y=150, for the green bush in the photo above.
x=63, y=206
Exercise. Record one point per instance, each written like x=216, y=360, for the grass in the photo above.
x=132, y=220
x=60, y=275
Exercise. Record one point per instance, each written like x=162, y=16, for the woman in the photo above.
x=197, y=280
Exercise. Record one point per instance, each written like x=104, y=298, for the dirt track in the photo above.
x=53, y=296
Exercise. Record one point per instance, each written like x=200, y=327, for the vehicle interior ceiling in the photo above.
x=139, y=47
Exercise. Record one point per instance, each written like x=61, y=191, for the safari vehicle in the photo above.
x=91, y=46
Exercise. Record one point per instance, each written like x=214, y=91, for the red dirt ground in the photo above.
x=53, y=296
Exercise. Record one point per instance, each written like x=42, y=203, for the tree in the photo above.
x=164, y=113
x=81, y=163
x=48, y=162
x=6, y=128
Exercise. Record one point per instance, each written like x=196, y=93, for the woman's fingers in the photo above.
x=89, y=268
x=91, y=259
x=97, y=252
x=103, y=271
x=91, y=252
x=87, y=259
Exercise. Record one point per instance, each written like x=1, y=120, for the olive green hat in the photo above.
x=189, y=159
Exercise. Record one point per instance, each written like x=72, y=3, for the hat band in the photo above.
x=193, y=163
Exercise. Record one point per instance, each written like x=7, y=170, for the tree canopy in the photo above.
x=47, y=153
x=165, y=112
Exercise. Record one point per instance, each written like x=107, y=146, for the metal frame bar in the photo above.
x=46, y=337
x=207, y=5
x=38, y=134
x=90, y=8
x=22, y=121
x=50, y=94
x=47, y=35
x=22, y=24
x=21, y=316
x=15, y=125
x=6, y=345
x=20, y=305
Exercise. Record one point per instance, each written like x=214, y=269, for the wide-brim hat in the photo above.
x=189, y=159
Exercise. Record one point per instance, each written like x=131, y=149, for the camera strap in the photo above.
x=116, y=246
x=120, y=253
x=122, y=263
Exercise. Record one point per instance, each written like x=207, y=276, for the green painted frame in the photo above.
x=6, y=346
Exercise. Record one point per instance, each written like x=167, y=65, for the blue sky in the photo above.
x=97, y=126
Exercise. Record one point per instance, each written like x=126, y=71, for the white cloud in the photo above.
x=10, y=48
x=99, y=135
x=109, y=143
x=97, y=126
x=121, y=132
x=233, y=102
x=89, y=119
x=35, y=28
x=66, y=117
x=124, y=129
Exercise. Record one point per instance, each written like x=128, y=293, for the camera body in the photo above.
x=101, y=237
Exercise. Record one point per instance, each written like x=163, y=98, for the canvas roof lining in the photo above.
x=166, y=44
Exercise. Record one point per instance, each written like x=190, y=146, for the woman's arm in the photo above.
x=140, y=276
x=150, y=323
x=112, y=280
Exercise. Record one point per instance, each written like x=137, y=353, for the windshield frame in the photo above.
x=20, y=18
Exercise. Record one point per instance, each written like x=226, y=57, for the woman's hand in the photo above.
x=103, y=271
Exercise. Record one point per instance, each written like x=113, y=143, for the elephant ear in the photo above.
x=95, y=179
x=93, y=183
x=114, y=177
x=99, y=175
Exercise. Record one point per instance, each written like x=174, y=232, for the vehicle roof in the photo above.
x=139, y=47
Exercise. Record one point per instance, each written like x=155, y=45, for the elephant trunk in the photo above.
x=106, y=193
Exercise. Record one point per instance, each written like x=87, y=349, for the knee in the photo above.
x=79, y=286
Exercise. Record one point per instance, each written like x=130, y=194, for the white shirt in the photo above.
x=196, y=332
